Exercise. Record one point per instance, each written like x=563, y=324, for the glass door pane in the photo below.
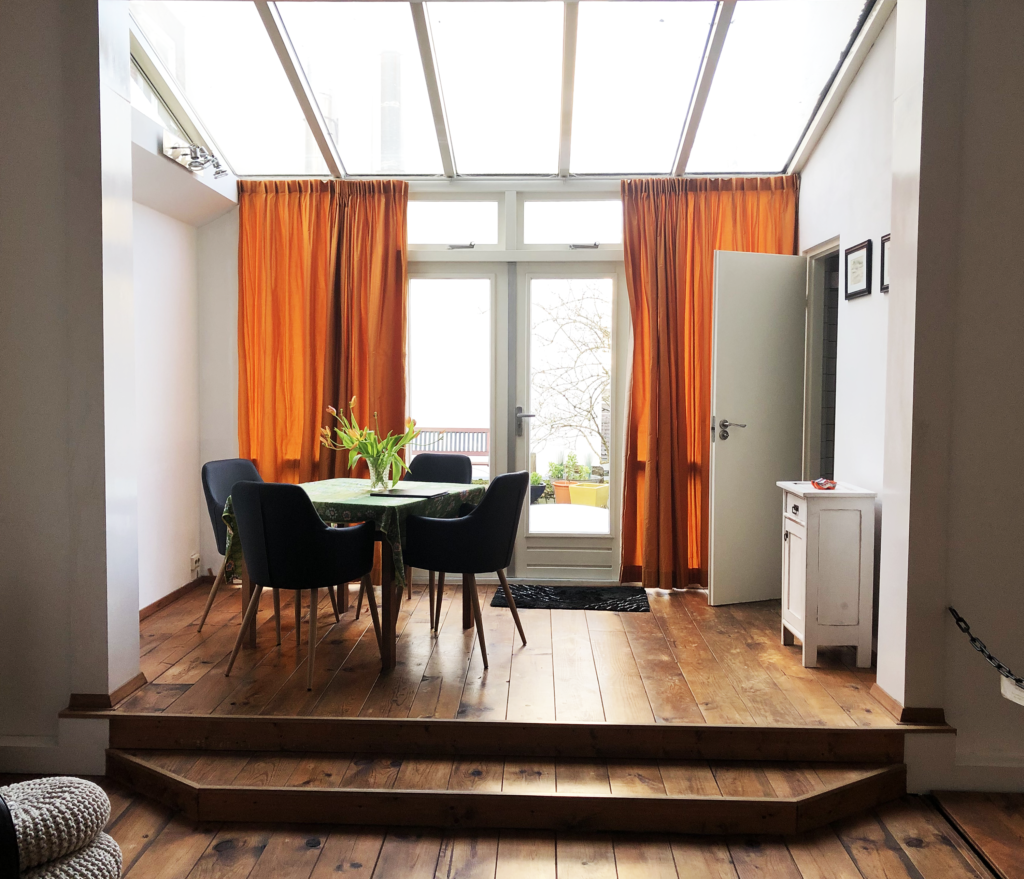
x=570, y=396
x=449, y=362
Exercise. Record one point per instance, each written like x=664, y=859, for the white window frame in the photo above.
x=446, y=248
x=605, y=249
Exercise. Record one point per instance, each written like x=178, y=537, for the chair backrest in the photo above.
x=497, y=517
x=219, y=478
x=435, y=467
x=284, y=540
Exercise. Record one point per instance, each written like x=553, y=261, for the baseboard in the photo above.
x=103, y=701
x=171, y=597
x=907, y=715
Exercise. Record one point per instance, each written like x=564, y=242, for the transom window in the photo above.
x=464, y=89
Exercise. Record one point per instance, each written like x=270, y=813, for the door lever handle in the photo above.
x=725, y=424
x=520, y=415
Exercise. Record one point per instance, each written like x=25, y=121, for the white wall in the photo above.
x=985, y=560
x=217, y=250
x=68, y=532
x=167, y=373
x=845, y=190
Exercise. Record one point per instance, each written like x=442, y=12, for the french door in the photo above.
x=566, y=407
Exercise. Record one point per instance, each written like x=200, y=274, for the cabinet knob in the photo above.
x=785, y=535
x=796, y=509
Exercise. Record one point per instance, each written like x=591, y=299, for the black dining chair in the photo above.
x=288, y=546
x=477, y=543
x=430, y=467
x=218, y=479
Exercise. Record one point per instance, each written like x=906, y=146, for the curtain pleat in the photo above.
x=316, y=258
x=367, y=317
x=672, y=228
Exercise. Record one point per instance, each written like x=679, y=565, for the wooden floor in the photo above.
x=685, y=662
x=906, y=839
x=994, y=825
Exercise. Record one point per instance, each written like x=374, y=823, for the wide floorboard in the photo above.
x=906, y=839
x=685, y=662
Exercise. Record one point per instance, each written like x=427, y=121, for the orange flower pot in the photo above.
x=562, y=491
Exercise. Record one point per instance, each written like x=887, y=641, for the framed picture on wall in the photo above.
x=858, y=270
x=885, y=264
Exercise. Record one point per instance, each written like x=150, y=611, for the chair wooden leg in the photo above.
x=469, y=582
x=437, y=603
x=298, y=622
x=311, y=658
x=250, y=615
x=430, y=589
x=343, y=598
x=334, y=603
x=277, y=614
x=408, y=582
x=213, y=594
x=362, y=592
x=371, y=601
x=512, y=605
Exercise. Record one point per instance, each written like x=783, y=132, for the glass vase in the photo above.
x=380, y=475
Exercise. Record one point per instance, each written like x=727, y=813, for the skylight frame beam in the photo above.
x=706, y=76
x=428, y=58
x=271, y=18
x=844, y=77
x=570, y=29
x=148, y=60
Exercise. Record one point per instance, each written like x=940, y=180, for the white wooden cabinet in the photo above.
x=828, y=562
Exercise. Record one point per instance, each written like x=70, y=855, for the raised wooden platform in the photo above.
x=685, y=662
x=903, y=839
x=689, y=719
x=664, y=796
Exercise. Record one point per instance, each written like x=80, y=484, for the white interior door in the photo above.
x=757, y=383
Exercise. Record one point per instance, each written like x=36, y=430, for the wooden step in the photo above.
x=663, y=796
x=438, y=738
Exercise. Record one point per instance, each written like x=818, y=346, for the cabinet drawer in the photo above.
x=794, y=506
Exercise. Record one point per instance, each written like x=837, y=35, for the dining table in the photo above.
x=341, y=502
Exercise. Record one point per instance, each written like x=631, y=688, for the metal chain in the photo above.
x=979, y=645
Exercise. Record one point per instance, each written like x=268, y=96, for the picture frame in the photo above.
x=884, y=268
x=858, y=270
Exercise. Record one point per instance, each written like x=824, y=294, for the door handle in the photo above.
x=520, y=415
x=725, y=424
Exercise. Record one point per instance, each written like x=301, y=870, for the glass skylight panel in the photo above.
x=572, y=222
x=642, y=57
x=777, y=59
x=220, y=56
x=500, y=67
x=364, y=67
x=452, y=222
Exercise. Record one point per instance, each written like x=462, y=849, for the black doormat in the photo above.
x=622, y=599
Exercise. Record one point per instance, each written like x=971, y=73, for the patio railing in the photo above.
x=472, y=441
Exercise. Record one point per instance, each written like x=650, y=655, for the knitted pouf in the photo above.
x=100, y=859
x=54, y=817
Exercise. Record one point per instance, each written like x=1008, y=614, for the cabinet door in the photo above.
x=794, y=570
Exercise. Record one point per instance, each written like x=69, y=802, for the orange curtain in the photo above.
x=672, y=228
x=368, y=315
x=312, y=253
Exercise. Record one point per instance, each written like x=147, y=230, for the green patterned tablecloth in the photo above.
x=341, y=501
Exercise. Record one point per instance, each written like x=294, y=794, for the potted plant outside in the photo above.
x=537, y=487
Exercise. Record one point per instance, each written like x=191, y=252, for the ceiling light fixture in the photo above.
x=192, y=156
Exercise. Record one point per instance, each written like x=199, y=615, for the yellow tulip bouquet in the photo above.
x=381, y=455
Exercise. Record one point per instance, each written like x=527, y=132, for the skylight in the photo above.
x=219, y=55
x=497, y=88
x=777, y=58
